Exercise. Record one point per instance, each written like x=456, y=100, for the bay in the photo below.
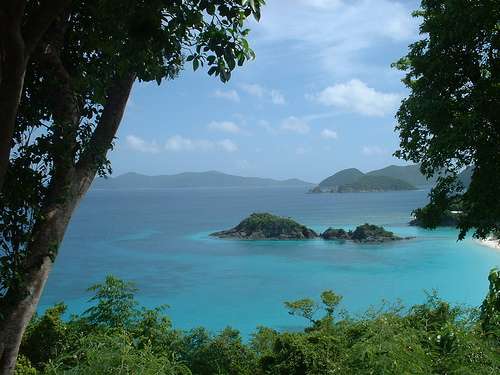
x=159, y=240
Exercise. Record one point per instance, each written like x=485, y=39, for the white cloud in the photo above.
x=231, y=95
x=228, y=145
x=273, y=95
x=277, y=97
x=296, y=125
x=336, y=33
x=374, y=151
x=356, y=96
x=178, y=143
x=253, y=89
x=329, y=134
x=224, y=126
x=139, y=144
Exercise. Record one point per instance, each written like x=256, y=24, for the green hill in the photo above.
x=409, y=173
x=369, y=183
x=346, y=176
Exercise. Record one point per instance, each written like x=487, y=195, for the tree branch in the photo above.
x=40, y=20
x=107, y=126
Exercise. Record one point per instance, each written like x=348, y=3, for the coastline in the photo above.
x=490, y=242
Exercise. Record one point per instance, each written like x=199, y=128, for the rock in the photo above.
x=335, y=234
x=366, y=233
x=262, y=226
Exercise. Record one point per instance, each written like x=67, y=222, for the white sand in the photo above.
x=494, y=243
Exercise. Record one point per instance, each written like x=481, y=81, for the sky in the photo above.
x=319, y=97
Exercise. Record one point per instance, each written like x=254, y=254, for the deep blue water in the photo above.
x=159, y=239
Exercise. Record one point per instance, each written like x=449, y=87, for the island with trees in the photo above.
x=266, y=226
x=366, y=233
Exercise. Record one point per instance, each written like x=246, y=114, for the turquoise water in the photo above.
x=159, y=239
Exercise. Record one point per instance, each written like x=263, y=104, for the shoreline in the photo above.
x=490, y=242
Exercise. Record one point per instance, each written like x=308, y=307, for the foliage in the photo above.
x=266, y=225
x=362, y=233
x=449, y=121
x=267, y=221
x=102, y=354
x=366, y=230
x=431, y=338
x=490, y=309
x=115, y=303
x=46, y=337
x=375, y=183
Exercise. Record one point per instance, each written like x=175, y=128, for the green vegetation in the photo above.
x=343, y=177
x=408, y=173
x=386, y=179
x=376, y=183
x=449, y=122
x=267, y=226
x=423, y=217
x=367, y=231
x=116, y=336
x=364, y=233
x=261, y=226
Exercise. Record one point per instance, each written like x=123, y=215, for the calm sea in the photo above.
x=159, y=239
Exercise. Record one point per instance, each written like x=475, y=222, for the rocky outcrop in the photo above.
x=335, y=234
x=265, y=226
x=366, y=233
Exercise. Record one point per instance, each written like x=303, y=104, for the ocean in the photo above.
x=159, y=239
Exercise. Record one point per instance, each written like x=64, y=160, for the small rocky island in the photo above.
x=265, y=226
x=366, y=233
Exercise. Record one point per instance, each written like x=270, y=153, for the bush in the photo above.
x=431, y=338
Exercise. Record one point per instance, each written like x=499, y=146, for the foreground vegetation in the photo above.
x=116, y=336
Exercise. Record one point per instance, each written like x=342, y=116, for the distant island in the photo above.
x=392, y=178
x=192, y=180
x=266, y=226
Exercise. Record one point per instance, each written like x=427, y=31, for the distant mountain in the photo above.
x=190, y=179
x=390, y=178
x=369, y=183
x=409, y=173
x=346, y=176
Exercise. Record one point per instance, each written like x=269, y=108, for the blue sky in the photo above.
x=319, y=97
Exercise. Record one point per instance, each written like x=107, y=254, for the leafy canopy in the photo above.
x=450, y=120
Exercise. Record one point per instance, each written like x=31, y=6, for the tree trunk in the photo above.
x=48, y=234
x=12, y=69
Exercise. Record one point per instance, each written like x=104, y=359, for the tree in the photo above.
x=450, y=119
x=77, y=84
x=22, y=25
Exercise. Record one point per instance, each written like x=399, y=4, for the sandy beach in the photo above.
x=494, y=243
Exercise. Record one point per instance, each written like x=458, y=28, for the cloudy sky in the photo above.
x=319, y=97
